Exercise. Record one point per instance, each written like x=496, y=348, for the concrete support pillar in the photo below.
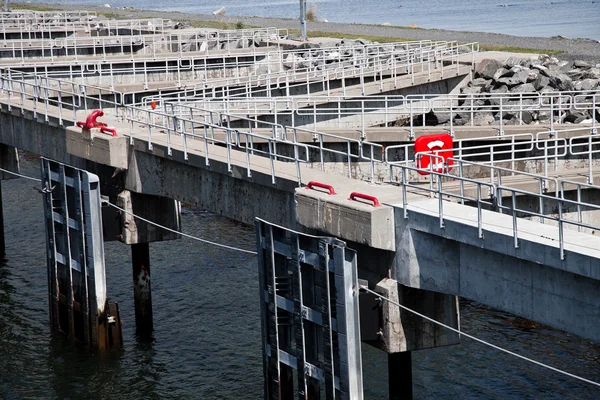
x=142, y=293
x=137, y=233
x=402, y=331
x=400, y=375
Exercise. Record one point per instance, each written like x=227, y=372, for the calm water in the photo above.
x=571, y=18
x=207, y=335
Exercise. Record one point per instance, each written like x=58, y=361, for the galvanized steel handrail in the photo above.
x=496, y=193
x=185, y=127
x=290, y=134
x=108, y=47
x=393, y=107
x=161, y=123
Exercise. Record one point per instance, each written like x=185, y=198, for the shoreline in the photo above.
x=568, y=49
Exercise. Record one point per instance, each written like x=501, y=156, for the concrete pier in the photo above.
x=139, y=234
x=412, y=248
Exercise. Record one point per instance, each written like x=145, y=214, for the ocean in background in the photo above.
x=569, y=18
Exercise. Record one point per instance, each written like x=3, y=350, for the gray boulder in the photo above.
x=292, y=61
x=541, y=82
x=499, y=88
x=592, y=73
x=510, y=119
x=581, y=64
x=515, y=61
x=586, y=84
x=565, y=66
x=523, y=88
x=532, y=75
x=481, y=82
x=471, y=90
x=518, y=78
x=462, y=118
x=547, y=60
x=574, y=74
x=547, y=89
x=487, y=68
x=539, y=67
x=442, y=118
x=542, y=116
x=561, y=82
x=502, y=72
x=526, y=117
x=482, y=119
x=576, y=116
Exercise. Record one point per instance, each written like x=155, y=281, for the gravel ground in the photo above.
x=572, y=49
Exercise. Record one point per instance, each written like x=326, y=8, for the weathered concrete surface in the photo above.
x=98, y=147
x=452, y=261
x=353, y=220
x=404, y=331
x=160, y=210
x=530, y=281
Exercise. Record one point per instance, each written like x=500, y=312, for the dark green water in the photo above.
x=207, y=334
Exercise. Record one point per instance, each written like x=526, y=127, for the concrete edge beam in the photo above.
x=98, y=147
x=347, y=219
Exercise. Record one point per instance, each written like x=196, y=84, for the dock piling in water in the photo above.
x=140, y=259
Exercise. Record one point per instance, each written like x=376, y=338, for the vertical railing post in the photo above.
x=514, y=219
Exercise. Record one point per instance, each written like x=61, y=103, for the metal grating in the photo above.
x=310, y=315
x=76, y=274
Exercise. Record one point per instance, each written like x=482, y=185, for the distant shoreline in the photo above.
x=584, y=49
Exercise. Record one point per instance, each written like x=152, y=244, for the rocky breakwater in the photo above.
x=522, y=91
x=327, y=55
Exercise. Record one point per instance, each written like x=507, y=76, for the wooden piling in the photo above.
x=400, y=375
x=140, y=257
x=2, y=246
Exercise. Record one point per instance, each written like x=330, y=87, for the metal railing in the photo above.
x=496, y=191
x=374, y=70
x=161, y=124
x=61, y=99
x=242, y=145
x=132, y=45
x=324, y=108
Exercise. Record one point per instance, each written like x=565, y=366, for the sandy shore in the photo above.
x=571, y=49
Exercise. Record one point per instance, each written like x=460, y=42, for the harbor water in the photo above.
x=207, y=340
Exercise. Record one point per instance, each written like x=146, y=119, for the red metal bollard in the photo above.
x=91, y=122
x=356, y=195
x=320, y=185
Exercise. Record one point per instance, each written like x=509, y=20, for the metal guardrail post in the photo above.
x=440, y=200
x=479, y=214
x=514, y=219
x=560, y=231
